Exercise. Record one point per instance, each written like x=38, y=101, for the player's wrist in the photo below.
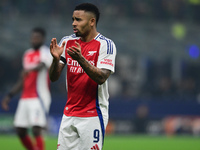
x=56, y=59
x=81, y=59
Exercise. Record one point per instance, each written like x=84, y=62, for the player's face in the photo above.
x=37, y=40
x=82, y=22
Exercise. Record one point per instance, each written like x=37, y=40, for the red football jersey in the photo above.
x=85, y=97
x=36, y=83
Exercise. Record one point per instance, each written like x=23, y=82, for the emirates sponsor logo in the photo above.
x=71, y=62
x=75, y=67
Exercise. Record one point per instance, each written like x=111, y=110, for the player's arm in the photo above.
x=97, y=74
x=38, y=67
x=56, y=67
x=14, y=90
x=55, y=70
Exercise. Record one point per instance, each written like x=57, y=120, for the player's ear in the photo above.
x=92, y=22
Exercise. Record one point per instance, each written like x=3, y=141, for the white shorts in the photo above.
x=81, y=133
x=30, y=113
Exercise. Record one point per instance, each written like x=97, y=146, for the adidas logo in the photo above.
x=95, y=147
x=58, y=146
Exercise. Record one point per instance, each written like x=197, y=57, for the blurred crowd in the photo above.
x=158, y=9
x=138, y=74
x=158, y=84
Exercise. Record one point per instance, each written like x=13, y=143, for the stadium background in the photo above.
x=156, y=87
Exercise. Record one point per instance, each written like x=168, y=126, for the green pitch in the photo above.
x=122, y=142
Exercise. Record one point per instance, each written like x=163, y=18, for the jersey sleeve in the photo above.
x=46, y=57
x=63, y=57
x=107, y=56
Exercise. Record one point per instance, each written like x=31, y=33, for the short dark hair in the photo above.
x=39, y=30
x=89, y=7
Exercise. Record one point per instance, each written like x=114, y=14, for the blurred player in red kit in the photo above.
x=35, y=99
x=90, y=59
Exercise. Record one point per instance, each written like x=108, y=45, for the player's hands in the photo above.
x=24, y=73
x=5, y=102
x=56, y=50
x=75, y=52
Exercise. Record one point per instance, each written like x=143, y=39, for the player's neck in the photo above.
x=90, y=36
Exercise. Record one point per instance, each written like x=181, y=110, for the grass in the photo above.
x=120, y=142
x=151, y=143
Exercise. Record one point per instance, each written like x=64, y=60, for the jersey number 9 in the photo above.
x=96, y=135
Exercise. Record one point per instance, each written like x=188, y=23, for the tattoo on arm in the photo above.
x=97, y=74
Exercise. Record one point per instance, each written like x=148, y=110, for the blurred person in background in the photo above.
x=90, y=60
x=164, y=88
x=187, y=88
x=141, y=119
x=35, y=99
